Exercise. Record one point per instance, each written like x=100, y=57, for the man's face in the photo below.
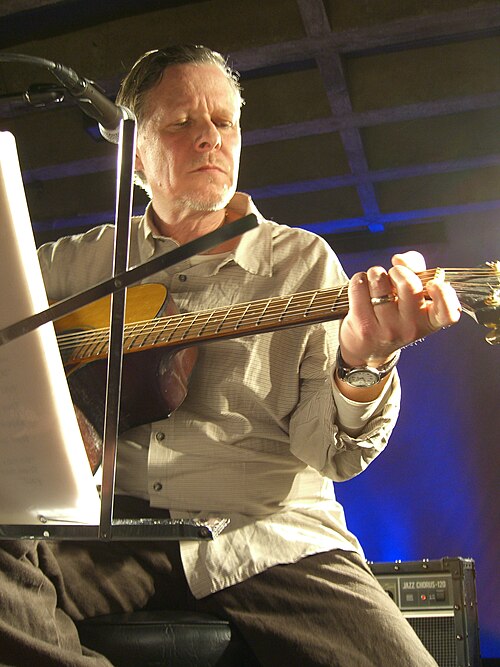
x=189, y=143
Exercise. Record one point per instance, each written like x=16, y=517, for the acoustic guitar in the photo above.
x=160, y=344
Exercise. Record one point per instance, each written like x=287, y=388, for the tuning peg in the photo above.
x=493, y=336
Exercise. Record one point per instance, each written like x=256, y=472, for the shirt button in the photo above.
x=182, y=277
x=160, y=436
x=157, y=486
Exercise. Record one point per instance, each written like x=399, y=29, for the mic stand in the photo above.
x=124, y=193
x=108, y=529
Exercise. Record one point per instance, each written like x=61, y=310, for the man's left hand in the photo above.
x=388, y=310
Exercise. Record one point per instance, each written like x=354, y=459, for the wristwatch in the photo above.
x=364, y=376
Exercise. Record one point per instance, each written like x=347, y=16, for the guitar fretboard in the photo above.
x=269, y=314
x=228, y=322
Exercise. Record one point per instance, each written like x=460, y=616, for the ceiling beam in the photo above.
x=405, y=33
x=401, y=217
x=332, y=72
x=372, y=118
x=68, y=225
x=108, y=163
x=378, y=176
x=9, y=7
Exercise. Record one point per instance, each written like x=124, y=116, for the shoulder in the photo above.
x=73, y=263
x=300, y=243
x=79, y=242
x=304, y=254
x=298, y=237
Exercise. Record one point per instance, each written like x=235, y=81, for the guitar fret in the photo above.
x=101, y=346
x=283, y=313
x=171, y=335
x=205, y=324
x=252, y=316
x=263, y=314
x=190, y=326
x=340, y=294
x=238, y=323
x=76, y=354
x=311, y=302
x=219, y=328
x=301, y=304
x=153, y=336
x=85, y=351
x=138, y=335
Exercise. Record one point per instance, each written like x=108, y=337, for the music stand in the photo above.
x=48, y=525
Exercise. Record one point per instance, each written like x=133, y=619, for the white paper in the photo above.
x=44, y=472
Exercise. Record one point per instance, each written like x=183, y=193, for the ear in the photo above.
x=138, y=166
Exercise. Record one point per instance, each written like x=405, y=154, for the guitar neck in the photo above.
x=479, y=284
x=477, y=287
x=239, y=320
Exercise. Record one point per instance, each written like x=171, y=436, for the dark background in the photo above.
x=373, y=123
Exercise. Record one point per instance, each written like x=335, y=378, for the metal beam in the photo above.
x=108, y=163
x=330, y=67
x=9, y=7
x=405, y=33
x=372, y=118
x=400, y=217
x=68, y=225
x=379, y=176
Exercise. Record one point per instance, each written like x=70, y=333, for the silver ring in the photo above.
x=386, y=298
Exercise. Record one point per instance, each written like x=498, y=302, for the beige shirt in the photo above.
x=264, y=429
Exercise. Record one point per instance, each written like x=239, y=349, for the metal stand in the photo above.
x=108, y=528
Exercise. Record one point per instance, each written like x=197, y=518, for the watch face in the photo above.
x=362, y=377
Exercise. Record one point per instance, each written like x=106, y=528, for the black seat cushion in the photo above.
x=166, y=639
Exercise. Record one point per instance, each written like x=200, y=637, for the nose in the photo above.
x=208, y=138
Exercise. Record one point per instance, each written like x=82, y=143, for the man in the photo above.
x=268, y=422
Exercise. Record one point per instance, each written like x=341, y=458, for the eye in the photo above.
x=224, y=123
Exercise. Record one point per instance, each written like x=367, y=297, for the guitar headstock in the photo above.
x=479, y=292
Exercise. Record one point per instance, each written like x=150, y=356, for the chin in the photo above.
x=207, y=203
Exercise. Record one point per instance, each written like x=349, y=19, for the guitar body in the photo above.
x=154, y=382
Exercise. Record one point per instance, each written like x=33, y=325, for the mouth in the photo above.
x=209, y=168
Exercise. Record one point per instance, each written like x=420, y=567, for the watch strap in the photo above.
x=378, y=372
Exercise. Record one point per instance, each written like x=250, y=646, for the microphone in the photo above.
x=93, y=102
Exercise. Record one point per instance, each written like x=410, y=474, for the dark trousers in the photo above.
x=326, y=610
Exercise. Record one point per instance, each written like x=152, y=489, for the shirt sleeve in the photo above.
x=337, y=437
x=352, y=415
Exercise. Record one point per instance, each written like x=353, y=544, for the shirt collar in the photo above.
x=253, y=253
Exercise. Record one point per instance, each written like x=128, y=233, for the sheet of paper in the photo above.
x=44, y=472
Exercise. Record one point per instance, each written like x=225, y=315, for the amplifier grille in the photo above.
x=437, y=634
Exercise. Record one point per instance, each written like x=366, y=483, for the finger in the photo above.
x=444, y=309
x=379, y=282
x=359, y=295
x=383, y=297
x=406, y=282
x=411, y=301
x=411, y=259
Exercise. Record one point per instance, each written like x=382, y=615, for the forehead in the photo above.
x=189, y=85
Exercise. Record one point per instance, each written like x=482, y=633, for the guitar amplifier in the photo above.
x=438, y=599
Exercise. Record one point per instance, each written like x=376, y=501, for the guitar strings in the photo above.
x=266, y=310
x=234, y=314
x=184, y=322
x=314, y=303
